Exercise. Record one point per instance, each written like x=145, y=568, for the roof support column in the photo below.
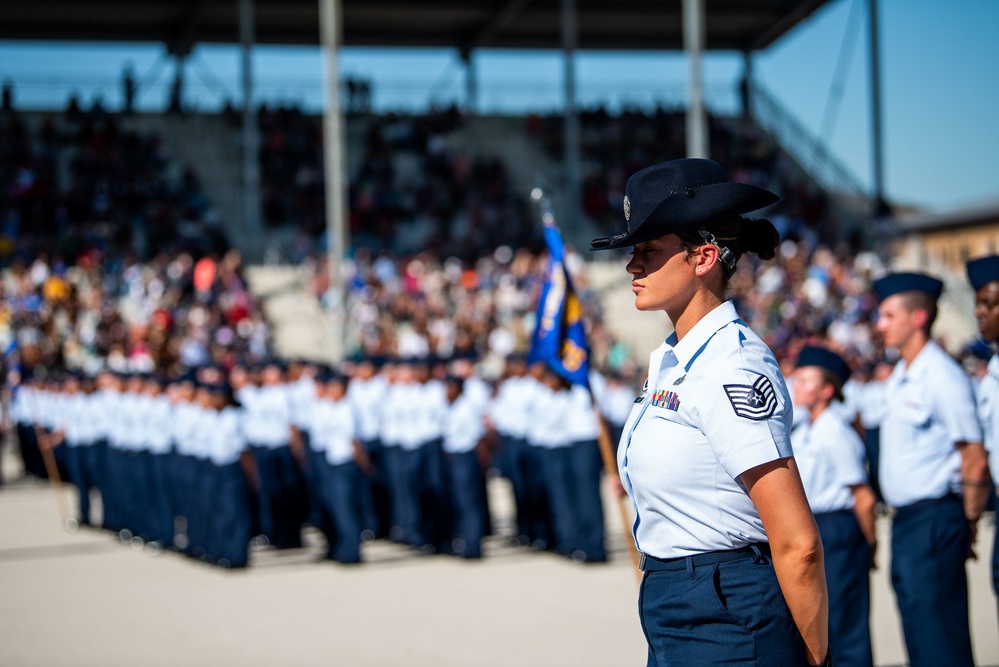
x=877, y=139
x=746, y=85
x=250, y=229
x=334, y=157
x=471, y=83
x=693, y=44
x=573, y=178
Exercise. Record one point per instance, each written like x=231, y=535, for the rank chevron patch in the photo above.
x=757, y=401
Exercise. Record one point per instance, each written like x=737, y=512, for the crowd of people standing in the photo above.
x=379, y=448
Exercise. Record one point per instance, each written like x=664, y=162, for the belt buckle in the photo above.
x=641, y=561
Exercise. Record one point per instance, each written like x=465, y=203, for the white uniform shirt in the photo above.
x=186, y=427
x=272, y=416
x=547, y=419
x=21, y=407
x=366, y=397
x=930, y=407
x=332, y=430
x=227, y=441
x=132, y=437
x=395, y=402
x=478, y=392
x=988, y=414
x=301, y=395
x=873, y=404
x=76, y=422
x=616, y=402
x=463, y=428
x=510, y=409
x=715, y=406
x=831, y=459
x=159, y=417
x=581, y=423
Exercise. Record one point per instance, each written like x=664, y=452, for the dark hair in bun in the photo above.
x=757, y=236
x=760, y=237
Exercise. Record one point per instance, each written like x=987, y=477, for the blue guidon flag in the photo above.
x=757, y=401
x=559, y=338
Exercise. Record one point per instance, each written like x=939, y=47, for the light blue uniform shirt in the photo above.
x=159, y=416
x=830, y=457
x=332, y=430
x=366, y=398
x=510, y=408
x=581, y=423
x=186, y=427
x=21, y=407
x=547, y=426
x=930, y=407
x=463, y=428
x=271, y=415
x=988, y=414
x=715, y=406
x=226, y=438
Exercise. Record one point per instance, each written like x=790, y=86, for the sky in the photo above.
x=939, y=70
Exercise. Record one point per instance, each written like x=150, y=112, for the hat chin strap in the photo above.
x=727, y=257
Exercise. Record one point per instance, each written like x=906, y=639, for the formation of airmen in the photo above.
x=214, y=461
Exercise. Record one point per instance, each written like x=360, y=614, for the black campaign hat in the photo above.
x=678, y=195
x=983, y=270
x=895, y=283
x=813, y=355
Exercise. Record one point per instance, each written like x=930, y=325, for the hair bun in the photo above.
x=760, y=237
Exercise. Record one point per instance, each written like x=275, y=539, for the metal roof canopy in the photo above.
x=739, y=25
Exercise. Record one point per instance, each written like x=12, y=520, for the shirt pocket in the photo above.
x=915, y=413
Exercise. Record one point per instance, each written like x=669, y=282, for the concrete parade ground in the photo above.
x=81, y=599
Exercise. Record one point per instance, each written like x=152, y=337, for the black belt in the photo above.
x=906, y=510
x=649, y=563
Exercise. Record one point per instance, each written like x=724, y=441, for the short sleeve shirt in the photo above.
x=715, y=405
x=830, y=458
x=988, y=414
x=930, y=408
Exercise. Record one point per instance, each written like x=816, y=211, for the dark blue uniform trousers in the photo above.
x=515, y=460
x=319, y=515
x=110, y=490
x=231, y=518
x=408, y=468
x=539, y=522
x=80, y=476
x=282, y=496
x=727, y=613
x=376, y=504
x=559, y=489
x=585, y=465
x=930, y=541
x=847, y=563
x=466, y=484
x=31, y=455
x=343, y=504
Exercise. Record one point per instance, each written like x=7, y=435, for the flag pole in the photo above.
x=603, y=436
x=55, y=480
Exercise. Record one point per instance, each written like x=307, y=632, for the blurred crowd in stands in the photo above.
x=411, y=189
x=114, y=253
x=616, y=146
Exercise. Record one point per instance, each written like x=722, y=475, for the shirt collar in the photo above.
x=686, y=349
x=993, y=367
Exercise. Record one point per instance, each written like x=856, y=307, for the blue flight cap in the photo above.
x=983, y=270
x=813, y=355
x=680, y=194
x=894, y=283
